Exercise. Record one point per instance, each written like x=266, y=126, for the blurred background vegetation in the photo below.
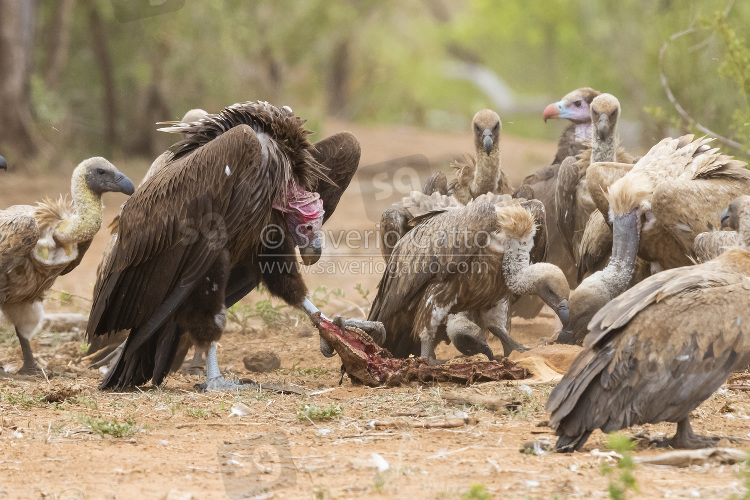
x=91, y=77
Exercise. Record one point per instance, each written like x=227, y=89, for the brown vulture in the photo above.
x=41, y=242
x=542, y=184
x=660, y=349
x=676, y=191
x=475, y=175
x=243, y=189
x=572, y=198
x=463, y=260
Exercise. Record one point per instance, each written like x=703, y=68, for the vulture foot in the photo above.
x=221, y=384
x=374, y=329
x=686, y=439
x=326, y=349
x=30, y=367
x=195, y=365
x=509, y=345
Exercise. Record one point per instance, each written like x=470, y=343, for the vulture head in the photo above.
x=101, y=176
x=3, y=164
x=304, y=217
x=574, y=107
x=737, y=218
x=487, y=126
x=605, y=110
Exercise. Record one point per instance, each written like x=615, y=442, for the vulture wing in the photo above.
x=600, y=176
x=173, y=228
x=82, y=249
x=631, y=373
x=688, y=207
x=18, y=236
x=595, y=247
x=565, y=200
x=711, y=244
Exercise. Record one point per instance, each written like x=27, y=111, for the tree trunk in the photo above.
x=104, y=61
x=339, y=75
x=16, y=43
x=58, y=43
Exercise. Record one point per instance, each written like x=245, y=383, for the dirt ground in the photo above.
x=63, y=439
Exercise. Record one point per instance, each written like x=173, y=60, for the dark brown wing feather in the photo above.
x=339, y=154
x=82, y=249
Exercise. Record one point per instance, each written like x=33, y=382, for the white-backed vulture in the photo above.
x=541, y=184
x=243, y=190
x=475, y=175
x=711, y=244
x=41, y=242
x=660, y=349
x=468, y=259
x=676, y=191
x=572, y=198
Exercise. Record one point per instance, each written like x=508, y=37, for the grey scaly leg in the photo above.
x=29, y=363
x=214, y=380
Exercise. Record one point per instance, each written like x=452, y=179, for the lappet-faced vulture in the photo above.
x=660, y=349
x=244, y=189
x=475, y=175
x=467, y=259
x=41, y=242
x=657, y=208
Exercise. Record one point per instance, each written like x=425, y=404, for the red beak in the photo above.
x=551, y=112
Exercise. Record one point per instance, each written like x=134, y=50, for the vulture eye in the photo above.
x=100, y=171
x=476, y=128
x=496, y=127
x=577, y=103
x=309, y=227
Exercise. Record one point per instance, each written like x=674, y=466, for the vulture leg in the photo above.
x=496, y=320
x=196, y=363
x=29, y=363
x=214, y=380
x=27, y=320
x=111, y=359
x=686, y=439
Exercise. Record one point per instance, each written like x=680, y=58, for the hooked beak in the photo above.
x=603, y=126
x=552, y=111
x=3, y=164
x=487, y=141
x=124, y=185
x=311, y=253
x=563, y=312
x=725, y=218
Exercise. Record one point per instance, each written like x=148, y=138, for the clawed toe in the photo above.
x=222, y=384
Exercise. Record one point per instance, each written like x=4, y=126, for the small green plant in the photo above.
x=379, y=482
x=362, y=292
x=620, y=484
x=197, y=413
x=24, y=400
x=315, y=371
x=477, y=492
x=86, y=401
x=114, y=428
x=312, y=412
x=83, y=348
x=744, y=474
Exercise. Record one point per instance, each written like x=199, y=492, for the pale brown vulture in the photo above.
x=657, y=208
x=572, y=198
x=660, y=349
x=243, y=190
x=41, y=242
x=467, y=259
x=475, y=175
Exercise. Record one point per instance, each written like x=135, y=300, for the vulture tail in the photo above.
x=569, y=444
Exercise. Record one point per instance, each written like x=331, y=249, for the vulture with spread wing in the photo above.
x=660, y=349
x=243, y=190
x=41, y=242
x=657, y=208
x=466, y=259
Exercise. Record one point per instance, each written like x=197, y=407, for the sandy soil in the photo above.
x=176, y=443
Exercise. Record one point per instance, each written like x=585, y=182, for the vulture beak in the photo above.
x=124, y=185
x=724, y=217
x=487, y=141
x=311, y=253
x=3, y=164
x=603, y=126
x=563, y=312
x=552, y=111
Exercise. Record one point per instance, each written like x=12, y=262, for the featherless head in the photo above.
x=100, y=176
x=629, y=193
x=515, y=221
x=605, y=110
x=574, y=106
x=487, y=127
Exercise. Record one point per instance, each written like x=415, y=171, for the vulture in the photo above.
x=244, y=189
x=463, y=260
x=542, y=184
x=475, y=175
x=660, y=349
x=41, y=242
x=657, y=209
x=572, y=199
x=711, y=244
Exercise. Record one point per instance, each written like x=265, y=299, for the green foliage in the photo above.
x=23, y=400
x=745, y=476
x=620, y=484
x=197, y=413
x=362, y=292
x=103, y=426
x=314, y=413
x=477, y=492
